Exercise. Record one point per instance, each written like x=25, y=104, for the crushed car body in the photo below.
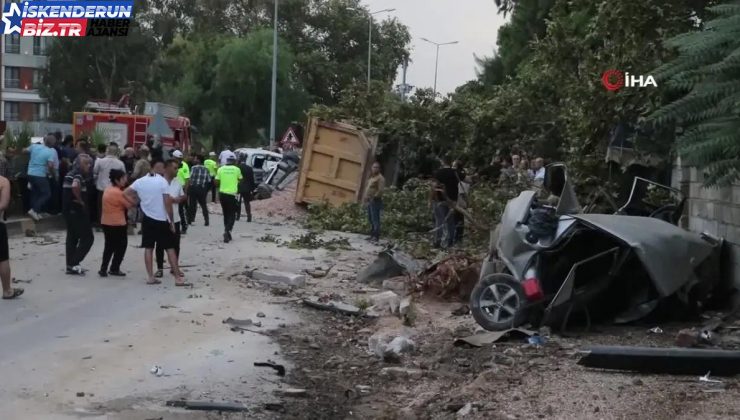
x=548, y=261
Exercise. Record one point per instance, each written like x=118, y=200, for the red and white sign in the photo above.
x=290, y=141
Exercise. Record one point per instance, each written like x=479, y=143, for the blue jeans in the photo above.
x=374, y=208
x=40, y=192
x=444, y=221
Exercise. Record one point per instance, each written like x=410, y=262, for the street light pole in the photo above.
x=273, y=104
x=436, y=61
x=370, y=44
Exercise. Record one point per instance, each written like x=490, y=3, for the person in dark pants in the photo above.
x=227, y=180
x=374, y=200
x=113, y=219
x=445, y=191
x=212, y=167
x=246, y=187
x=76, y=213
x=200, y=183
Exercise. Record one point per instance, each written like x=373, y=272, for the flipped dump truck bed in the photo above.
x=335, y=163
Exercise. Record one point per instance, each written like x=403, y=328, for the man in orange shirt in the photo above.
x=113, y=219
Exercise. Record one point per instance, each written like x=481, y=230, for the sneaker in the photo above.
x=158, y=274
x=75, y=271
x=35, y=216
x=249, y=218
x=117, y=273
x=102, y=273
x=227, y=237
x=206, y=224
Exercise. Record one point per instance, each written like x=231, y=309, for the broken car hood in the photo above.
x=668, y=253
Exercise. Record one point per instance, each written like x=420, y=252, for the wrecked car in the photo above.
x=548, y=261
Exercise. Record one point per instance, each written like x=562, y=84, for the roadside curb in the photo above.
x=20, y=227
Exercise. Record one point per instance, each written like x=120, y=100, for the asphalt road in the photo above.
x=101, y=336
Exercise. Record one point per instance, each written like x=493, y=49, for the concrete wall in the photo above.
x=712, y=210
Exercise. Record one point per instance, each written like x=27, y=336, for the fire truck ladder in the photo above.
x=141, y=123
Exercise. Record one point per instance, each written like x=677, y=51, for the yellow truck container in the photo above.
x=335, y=163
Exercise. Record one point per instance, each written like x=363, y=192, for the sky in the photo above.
x=474, y=23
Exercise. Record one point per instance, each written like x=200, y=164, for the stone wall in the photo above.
x=712, y=210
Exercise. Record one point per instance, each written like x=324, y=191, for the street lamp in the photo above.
x=370, y=43
x=273, y=103
x=436, y=62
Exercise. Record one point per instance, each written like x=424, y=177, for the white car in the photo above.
x=258, y=158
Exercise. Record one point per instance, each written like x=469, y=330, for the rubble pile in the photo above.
x=451, y=278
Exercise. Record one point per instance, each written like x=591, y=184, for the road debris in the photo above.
x=156, y=370
x=16, y=281
x=261, y=315
x=656, y=330
x=389, y=264
x=385, y=302
x=480, y=340
x=280, y=369
x=705, y=378
x=333, y=306
x=292, y=392
x=207, y=406
x=390, y=347
x=676, y=361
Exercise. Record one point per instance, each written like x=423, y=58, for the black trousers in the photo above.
x=116, y=242
x=79, y=235
x=182, y=209
x=229, y=207
x=212, y=187
x=197, y=195
x=247, y=199
x=159, y=251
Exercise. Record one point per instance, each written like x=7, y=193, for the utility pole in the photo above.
x=273, y=104
x=436, y=61
x=370, y=44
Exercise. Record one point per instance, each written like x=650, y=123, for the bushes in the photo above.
x=407, y=217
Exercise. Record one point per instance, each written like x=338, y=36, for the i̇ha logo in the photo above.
x=614, y=80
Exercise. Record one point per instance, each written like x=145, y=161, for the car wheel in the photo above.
x=498, y=302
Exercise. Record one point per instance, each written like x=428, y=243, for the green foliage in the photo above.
x=24, y=136
x=405, y=212
x=706, y=73
x=9, y=140
x=98, y=137
x=311, y=240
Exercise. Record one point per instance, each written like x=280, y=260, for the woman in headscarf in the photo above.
x=80, y=236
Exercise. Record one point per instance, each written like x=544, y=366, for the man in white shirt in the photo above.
x=101, y=173
x=223, y=157
x=158, y=228
x=177, y=194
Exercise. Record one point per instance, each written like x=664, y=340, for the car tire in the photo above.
x=498, y=302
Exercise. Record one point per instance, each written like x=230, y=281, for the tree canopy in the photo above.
x=706, y=72
x=181, y=52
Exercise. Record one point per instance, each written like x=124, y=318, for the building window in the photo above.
x=13, y=43
x=38, y=112
x=38, y=78
x=12, y=111
x=12, y=77
x=38, y=48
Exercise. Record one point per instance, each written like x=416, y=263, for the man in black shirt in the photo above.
x=246, y=187
x=76, y=213
x=444, y=192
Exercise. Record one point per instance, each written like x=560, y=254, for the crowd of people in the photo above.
x=450, y=193
x=115, y=191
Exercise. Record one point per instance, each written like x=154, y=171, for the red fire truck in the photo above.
x=127, y=128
